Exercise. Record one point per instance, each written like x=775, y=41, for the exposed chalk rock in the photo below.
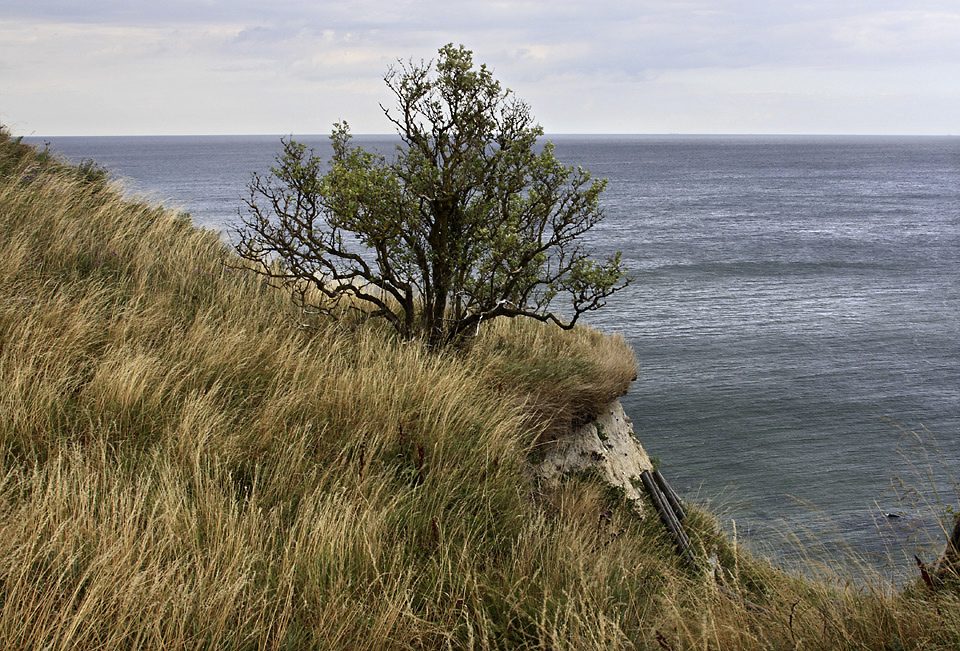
x=607, y=445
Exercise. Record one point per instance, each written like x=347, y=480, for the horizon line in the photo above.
x=545, y=135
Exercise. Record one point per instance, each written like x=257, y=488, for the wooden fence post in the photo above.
x=668, y=517
x=670, y=494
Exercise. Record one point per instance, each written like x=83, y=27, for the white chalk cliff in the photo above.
x=606, y=445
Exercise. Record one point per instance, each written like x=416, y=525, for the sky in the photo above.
x=143, y=67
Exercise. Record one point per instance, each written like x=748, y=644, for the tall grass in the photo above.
x=182, y=466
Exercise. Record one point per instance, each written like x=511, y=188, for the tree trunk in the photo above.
x=440, y=272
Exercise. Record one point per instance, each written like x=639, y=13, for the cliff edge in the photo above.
x=606, y=445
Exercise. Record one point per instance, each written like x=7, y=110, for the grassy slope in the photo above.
x=182, y=467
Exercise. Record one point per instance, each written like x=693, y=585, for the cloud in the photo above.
x=901, y=36
x=299, y=65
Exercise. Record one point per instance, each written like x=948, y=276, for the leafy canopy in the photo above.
x=469, y=221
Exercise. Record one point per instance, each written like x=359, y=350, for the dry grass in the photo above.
x=182, y=467
x=564, y=377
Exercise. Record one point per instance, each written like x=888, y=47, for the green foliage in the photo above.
x=471, y=220
x=601, y=434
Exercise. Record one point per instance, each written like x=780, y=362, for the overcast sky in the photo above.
x=128, y=67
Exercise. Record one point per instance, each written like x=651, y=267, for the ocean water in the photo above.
x=794, y=309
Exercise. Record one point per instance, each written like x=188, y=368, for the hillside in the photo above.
x=189, y=463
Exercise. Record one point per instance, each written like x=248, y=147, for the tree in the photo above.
x=470, y=220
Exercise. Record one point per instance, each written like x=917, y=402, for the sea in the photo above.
x=794, y=308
